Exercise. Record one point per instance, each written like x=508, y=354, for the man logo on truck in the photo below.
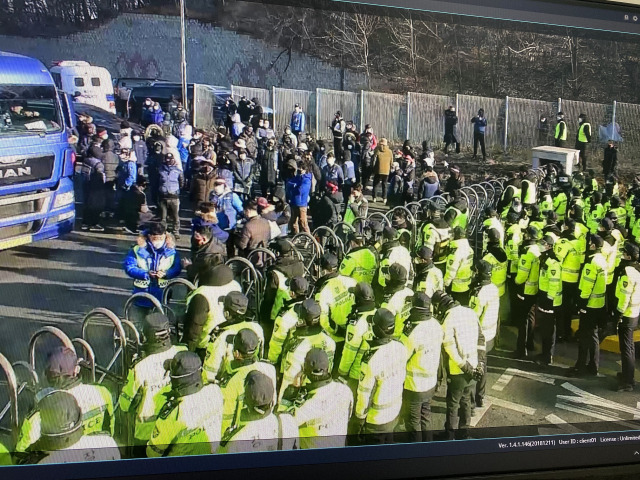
x=20, y=171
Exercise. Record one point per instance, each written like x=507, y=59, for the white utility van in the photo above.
x=87, y=83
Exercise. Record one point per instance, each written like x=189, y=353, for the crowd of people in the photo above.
x=351, y=350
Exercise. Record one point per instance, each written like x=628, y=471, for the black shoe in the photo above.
x=521, y=354
x=541, y=360
x=577, y=372
x=625, y=388
x=479, y=402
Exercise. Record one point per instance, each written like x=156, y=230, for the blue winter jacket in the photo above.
x=298, y=122
x=479, y=124
x=298, y=189
x=228, y=207
x=128, y=174
x=217, y=232
x=144, y=258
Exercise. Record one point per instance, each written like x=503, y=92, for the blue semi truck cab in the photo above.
x=36, y=159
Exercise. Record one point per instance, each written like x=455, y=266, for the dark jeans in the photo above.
x=337, y=148
x=481, y=385
x=559, y=143
x=525, y=320
x=546, y=321
x=169, y=207
x=366, y=176
x=417, y=417
x=449, y=142
x=379, y=434
x=458, y=405
x=378, y=178
x=479, y=138
x=589, y=343
x=569, y=301
x=583, y=154
x=626, y=326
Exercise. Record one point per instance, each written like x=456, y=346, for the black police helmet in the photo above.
x=60, y=414
x=384, y=323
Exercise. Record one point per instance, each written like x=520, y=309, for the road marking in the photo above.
x=561, y=424
x=479, y=413
x=502, y=382
x=538, y=377
x=637, y=416
x=498, y=402
x=591, y=399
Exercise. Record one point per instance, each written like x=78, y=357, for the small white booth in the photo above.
x=567, y=158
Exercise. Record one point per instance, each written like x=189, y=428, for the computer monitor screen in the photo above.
x=396, y=238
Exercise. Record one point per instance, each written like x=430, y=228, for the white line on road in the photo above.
x=591, y=399
x=598, y=416
x=561, y=424
x=502, y=382
x=538, y=377
x=637, y=416
x=479, y=413
x=498, y=402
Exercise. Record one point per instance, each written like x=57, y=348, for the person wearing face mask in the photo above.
x=357, y=206
x=269, y=167
x=228, y=204
x=203, y=182
x=243, y=173
x=145, y=114
x=208, y=247
x=298, y=121
x=139, y=146
x=626, y=313
x=382, y=160
x=479, y=127
x=282, y=210
x=152, y=262
x=156, y=115
x=338, y=127
x=332, y=172
x=560, y=135
x=171, y=181
x=583, y=138
x=450, y=130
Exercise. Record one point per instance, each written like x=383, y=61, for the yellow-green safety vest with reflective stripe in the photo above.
x=215, y=297
x=498, y=272
x=569, y=257
x=529, y=269
x=551, y=280
x=581, y=135
x=593, y=281
x=558, y=135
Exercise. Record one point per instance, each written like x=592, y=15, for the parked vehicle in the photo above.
x=86, y=83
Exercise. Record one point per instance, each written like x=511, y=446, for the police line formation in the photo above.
x=347, y=331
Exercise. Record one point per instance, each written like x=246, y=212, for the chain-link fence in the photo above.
x=530, y=123
x=328, y=102
x=426, y=117
x=284, y=101
x=494, y=111
x=387, y=115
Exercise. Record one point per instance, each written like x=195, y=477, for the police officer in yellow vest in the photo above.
x=287, y=266
x=391, y=252
x=382, y=376
x=627, y=312
x=361, y=261
x=321, y=407
x=62, y=372
x=205, y=307
x=526, y=282
x=435, y=234
x=567, y=250
x=560, y=135
x=456, y=212
x=429, y=278
x=143, y=395
x=496, y=256
x=288, y=318
x=591, y=305
x=334, y=298
x=236, y=318
x=461, y=341
x=549, y=301
x=190, y=421
x=422, y=336
x=358, y=334
x=457, y=278
x=583, y=138
x=397, y=296
x=529, y=190
x=492, y=222
x=245, y=359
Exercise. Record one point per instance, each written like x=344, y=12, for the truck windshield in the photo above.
x=28, y=109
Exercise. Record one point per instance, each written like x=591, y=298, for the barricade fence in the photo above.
x=514, y=125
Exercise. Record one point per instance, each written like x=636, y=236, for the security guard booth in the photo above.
x=567, y=158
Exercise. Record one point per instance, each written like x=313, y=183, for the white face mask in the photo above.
x=156, y=108
x=136, y=138
x=331, y=162
x=219, y=189
x=158, y=244
x=243, y=156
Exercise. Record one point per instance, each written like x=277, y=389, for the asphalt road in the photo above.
x=57, y=282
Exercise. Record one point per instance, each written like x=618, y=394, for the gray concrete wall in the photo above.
x=149, y=46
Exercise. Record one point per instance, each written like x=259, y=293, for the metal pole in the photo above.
x=183, y=53
x=195, y=103
x=506, y=122
x=559, y=104
x=317, y=113
x=614, y=130
x=361, y=110
x=273, y=107
x=408, y=114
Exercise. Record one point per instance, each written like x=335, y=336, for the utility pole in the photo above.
x=183, y=55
